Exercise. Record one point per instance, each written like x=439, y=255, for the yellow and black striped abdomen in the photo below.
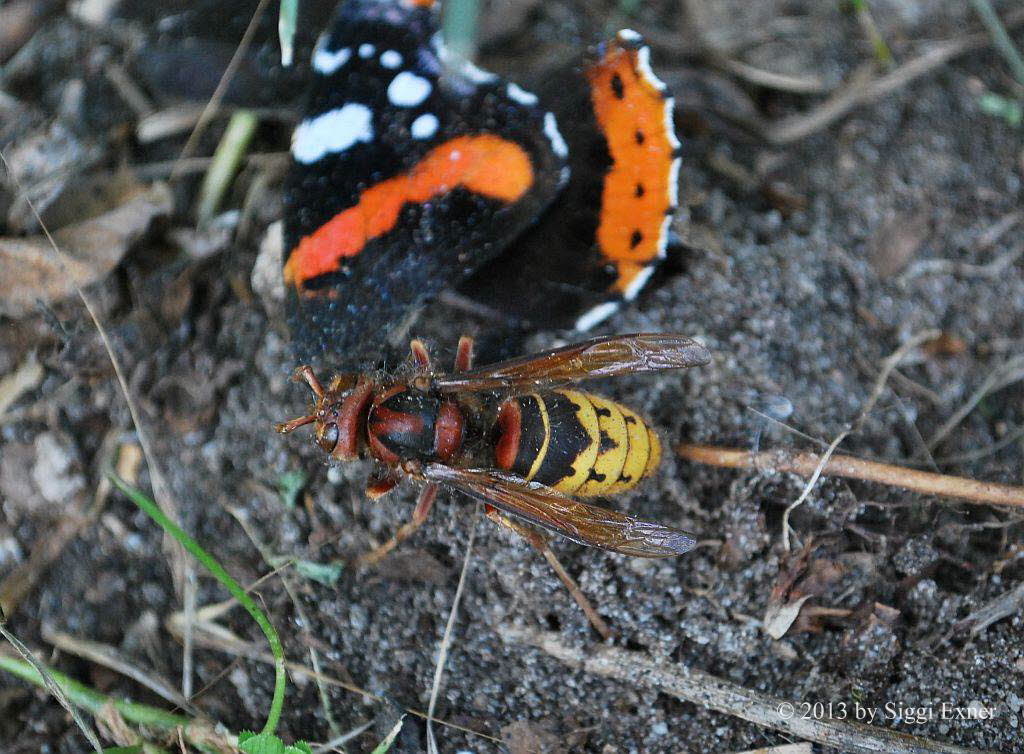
x=579, y=443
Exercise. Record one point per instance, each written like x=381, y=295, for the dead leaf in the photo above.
x=897, y=242
x=778, y=617
x=946, y=344
x=31, y=271
x=800, y=579
x=24, y=378
x=267, y=281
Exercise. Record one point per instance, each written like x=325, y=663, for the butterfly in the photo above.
x=414, y=170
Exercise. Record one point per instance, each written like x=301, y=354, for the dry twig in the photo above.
x=446, y=641
x=888, y=365
x=111, y=657
x=772, y=80
x=991, y=270
x=222, y=86
x=924, y=482
x=1004, y=605
x=863, y=89
x=692, y=685
x=1002, y=376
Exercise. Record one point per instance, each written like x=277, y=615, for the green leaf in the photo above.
x=299, y=747
x=389, y=739
x=133, y=749
x=1010, y=110
x=322, y=573
x=289, y=485
x=262, y=743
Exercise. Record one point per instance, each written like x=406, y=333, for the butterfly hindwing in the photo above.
x=608, y=231
x=409, y=171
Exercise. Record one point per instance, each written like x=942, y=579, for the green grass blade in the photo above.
x=286, y=24
x=150, y=508
x=92, y=700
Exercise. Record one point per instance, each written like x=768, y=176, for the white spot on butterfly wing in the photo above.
x=520, y=95
x=328, y=61
x=334, y=131
x=408, y=90
x=391, y=59
x=666, y=226
x=643, y=64
x=558, y=145
x=629, y=36
x=366, y=50
x=638, y=282
x=673, y=173
x=424, y=126
x=476, y=75
x=596, y=315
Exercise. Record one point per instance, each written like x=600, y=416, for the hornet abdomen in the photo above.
x=577, y=442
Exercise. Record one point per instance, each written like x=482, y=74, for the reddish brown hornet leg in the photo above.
x=463, y=361
x=306, y=374
x=420, y=354
x=540, y=543
x=464, y=355
x=426, y=501
x=302, y=374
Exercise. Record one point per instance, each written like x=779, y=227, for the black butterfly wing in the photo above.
x=410, y=170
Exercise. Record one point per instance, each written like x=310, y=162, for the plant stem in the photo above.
x=215, y=568
x=92, y=700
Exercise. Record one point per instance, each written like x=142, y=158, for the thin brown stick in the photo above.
x=1006, y=604
x=222, y=86
x=862, y=92
x=692, y=685
x=585, y=605
x=808, y=84
x=924, y=482
x=446, y=642
x=888, y=365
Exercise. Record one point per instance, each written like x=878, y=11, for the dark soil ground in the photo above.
x=814, y=259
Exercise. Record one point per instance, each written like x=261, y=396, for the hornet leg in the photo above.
x=540, y=543
x=464, y=354
x=463, y=361
x=426, y=501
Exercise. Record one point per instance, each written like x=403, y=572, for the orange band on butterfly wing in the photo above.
x=487, y=165
x=631, y=112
